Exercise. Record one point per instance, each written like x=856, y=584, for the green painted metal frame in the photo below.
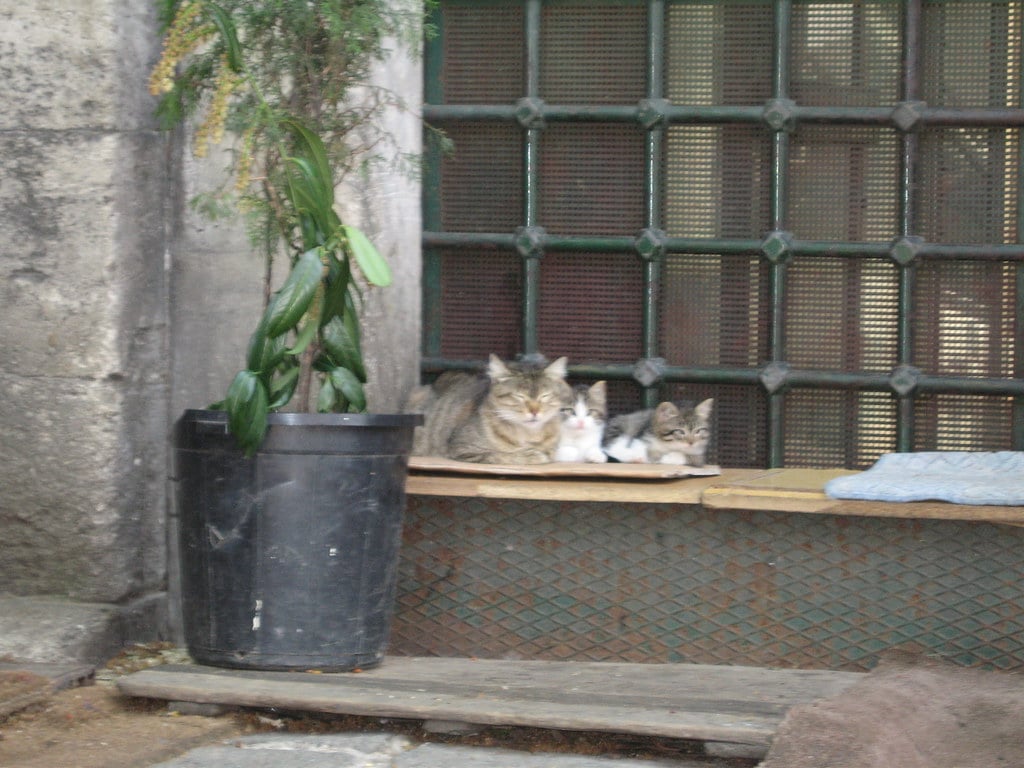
x=779, y=116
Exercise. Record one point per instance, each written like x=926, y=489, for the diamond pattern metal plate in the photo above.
x=668, y=583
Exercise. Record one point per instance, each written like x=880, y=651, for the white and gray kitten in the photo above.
x=583, y=425
x=668, y=434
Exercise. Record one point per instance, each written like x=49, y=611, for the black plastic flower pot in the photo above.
x=289, y=558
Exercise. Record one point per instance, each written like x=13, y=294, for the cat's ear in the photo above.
x=703, y=409
x=559, y=368
x=496, y=369
x=599, y=391
x=666, y=410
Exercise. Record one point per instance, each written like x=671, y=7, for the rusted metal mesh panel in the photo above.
x=572, y=286
x=697, y=44
x=593, y=53
x=969, y=59
x=482, y=179
x=731, y=329
x=841, y=314
x=717, y=181
x=841, y=184
x=589, y=180
x=485, y=56
x=965, y=325
x=836, y=62
x=962, y=423
x=829, y=428
x=482, y=292
x=969, y=185
x=966, y=320
x=606, y=582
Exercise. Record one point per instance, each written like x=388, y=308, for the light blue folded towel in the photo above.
x=962, y=477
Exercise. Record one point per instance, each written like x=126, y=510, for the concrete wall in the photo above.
x=83, y=333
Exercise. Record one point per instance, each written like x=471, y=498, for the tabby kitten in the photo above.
x=511, y=416
x=583, y=425
x=668, y=434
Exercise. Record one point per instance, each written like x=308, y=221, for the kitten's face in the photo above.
x=686, y=430
x=527, y=396
x=587, y=410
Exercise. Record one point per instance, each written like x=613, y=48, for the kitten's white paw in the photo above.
x=567, y=453
x=595, y=456
x=627, y=451
x=673, y=457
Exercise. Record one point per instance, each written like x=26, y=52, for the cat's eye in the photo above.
x=594, y=413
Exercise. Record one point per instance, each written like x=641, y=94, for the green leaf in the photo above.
x=342, y=346
x=336, y=293
x=310, y=146
x=246, y=404
x=351, y=319
x=226, y=26
x=371, y=263
x=264, y=353
x=295, y=296
x=283, y=387
x=326, y=397
x=346, y=382
x=304, y=337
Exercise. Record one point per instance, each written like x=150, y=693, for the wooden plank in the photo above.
x=25, y=684
x=802, y=490
x=710, y=703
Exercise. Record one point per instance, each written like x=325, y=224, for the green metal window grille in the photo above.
x=809, y=211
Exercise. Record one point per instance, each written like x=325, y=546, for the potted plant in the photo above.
x=289, y=496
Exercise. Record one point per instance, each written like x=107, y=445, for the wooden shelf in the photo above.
x=772, y=490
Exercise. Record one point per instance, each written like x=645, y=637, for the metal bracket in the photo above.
x=530, y=112
x=779, y=114
x=649, y=370
x=777, y=246
x=530, y=242
x=774, y=376
x=652, y=112
x=904, y=379
x=904, y=250
x=651, y=244
x=907, y=114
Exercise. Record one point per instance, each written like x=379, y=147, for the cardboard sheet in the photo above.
x=563, y=469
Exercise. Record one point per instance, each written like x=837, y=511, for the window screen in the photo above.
x=808, y=211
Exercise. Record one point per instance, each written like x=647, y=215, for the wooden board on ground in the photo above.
x=25, y=684
x=741, y=705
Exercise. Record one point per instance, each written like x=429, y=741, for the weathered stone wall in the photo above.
x=83, y=351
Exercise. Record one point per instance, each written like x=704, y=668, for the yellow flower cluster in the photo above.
x=244, y=161
x=185, y=34
x=212, y=128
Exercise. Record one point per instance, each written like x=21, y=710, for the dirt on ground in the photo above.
x=95, y=726
x=912, y=711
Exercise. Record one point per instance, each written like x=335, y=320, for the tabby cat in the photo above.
x=583, y=425
x=510, y=416
x=668, y=434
